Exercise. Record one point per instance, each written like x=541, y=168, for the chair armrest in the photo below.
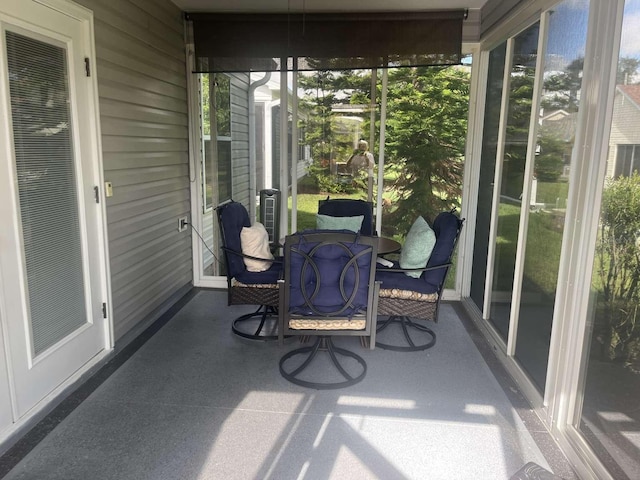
x=404, y=270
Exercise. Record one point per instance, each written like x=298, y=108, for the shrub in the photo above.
x=618, y=270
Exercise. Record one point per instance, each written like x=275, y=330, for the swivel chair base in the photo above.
x=265, y=329
x=323, y=344
x=407, y=324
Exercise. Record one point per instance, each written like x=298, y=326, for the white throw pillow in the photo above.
x=255, y=242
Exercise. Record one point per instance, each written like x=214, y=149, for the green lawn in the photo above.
x=552, y=193
x=544, y=240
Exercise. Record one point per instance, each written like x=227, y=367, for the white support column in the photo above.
x=383, y=121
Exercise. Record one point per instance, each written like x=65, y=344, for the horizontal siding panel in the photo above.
x=134, y=128
x=131, y=225
x=120, y=160
x=114, y=39
x=170, y=43
x=138, y=177
x=240, y=131
x=142, y=80
x=127, y=316
x=166, y=13
x=240, y=138
x=110, y=108
x=114, y=91
x=140, y=207
x=139, y=80
x=165, y=243
x=131, y=193
x=141, y=144
x=137, y=17
x=144, y=237
x=148, y=271
x=126, y=61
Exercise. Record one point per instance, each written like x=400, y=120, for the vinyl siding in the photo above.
x=240, y=137
x=140, y=69
x=624, y=128
x=239, y=158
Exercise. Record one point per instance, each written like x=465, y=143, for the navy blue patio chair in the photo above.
x=346, y=207
x=328, y=290
x=246, y=287
x=407, y=300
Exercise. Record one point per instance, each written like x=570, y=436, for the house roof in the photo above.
x=632, y=92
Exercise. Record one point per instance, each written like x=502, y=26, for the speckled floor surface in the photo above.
x=197, y=402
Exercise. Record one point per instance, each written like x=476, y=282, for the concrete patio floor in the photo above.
x=196, y=402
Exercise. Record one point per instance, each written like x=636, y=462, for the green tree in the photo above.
x=548, y=165
x=627, y=70
x=327, y=132
x=427, y=110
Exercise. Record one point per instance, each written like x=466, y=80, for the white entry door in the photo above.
x=53, y=300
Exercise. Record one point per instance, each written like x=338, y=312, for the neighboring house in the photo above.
x=560, y=124
x=226, y=172
x=624, y=148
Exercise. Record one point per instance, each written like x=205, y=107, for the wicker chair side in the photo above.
x=243, y=295
x=408, y=308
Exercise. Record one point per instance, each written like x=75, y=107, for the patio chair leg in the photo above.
x=406, y=324
x=266, y=330
x=323, y=344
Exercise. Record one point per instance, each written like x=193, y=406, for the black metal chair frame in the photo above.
x=401, y=311
x=267, y=299
x=324, y=342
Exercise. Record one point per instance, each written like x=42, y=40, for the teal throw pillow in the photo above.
x=327, y=222
x=417, y=247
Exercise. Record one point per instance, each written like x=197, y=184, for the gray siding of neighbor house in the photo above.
x=140, y=68
x=240, y=137
x=239, y=156
x=624, y=128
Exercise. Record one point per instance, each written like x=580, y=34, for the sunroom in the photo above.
x=528, y=127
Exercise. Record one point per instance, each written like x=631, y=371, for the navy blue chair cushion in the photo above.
x=326, y=288
x=346, y=207
x=233, y=217
x=446, y=227
x=268, y=276
x=401, y=281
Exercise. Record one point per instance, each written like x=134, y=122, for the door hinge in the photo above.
x=96, y=191
x=87, y=66
x=104, y=310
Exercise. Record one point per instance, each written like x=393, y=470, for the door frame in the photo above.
x=94, y=149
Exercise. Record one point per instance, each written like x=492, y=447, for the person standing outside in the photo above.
x=360, y=162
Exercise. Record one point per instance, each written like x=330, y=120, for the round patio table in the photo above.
x=387, y=245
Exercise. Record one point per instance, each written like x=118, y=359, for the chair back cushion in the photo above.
x=446, y=227
x=328, y=273
x=346, y=207
x=232, y=218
